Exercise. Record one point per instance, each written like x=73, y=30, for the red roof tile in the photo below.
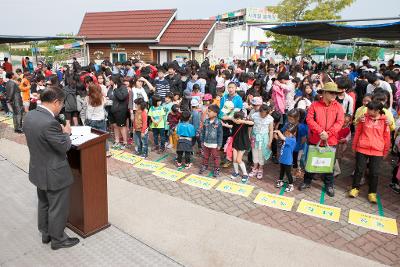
x=129, y=25
x=186, y=32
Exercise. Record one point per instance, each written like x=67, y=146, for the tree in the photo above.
x=298, y=10
x=371, y=52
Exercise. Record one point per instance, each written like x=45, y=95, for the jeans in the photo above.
x=17, y=117
x=142, y=143
x=286, y=169
x=187, y=156
x=214, y=153
x=4, y=105
x=99, y=125
x=361, y=164
x=159, y=132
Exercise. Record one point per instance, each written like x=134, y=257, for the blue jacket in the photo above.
x=212, y=132
x=287, y=151
x=195, y=120
x=237, y=102
x=185, y=129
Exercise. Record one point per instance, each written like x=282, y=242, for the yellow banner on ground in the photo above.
x=274, y=201
x=319, y=210
x=127, y=157
x=169, y=174
x=374, y=222
x=235, y=188
x=149, y=165
x=9, y=122
x=115, y=152
x=200, y=181
x=2, y=119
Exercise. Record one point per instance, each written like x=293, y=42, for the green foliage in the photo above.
x=371, y=52
x=297, y=10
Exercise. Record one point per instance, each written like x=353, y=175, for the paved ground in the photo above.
x=21, y=243
x=359, y=241
x=191, y=234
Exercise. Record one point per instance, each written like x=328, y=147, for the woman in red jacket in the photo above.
x=325, y=119
x=371, y=142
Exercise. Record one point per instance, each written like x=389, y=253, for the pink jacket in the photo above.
x=279, y=97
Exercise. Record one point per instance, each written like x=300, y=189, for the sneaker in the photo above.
x=362, y=181
x=162, y=150
x=259, y=175
x=330, y=191
x=372, y=198
x=137, y=153
x=245, y=179
x=188, y=165
x=130, y=141
x=143, y=156
x=108, y=154
x=279, y=184
x=234, y=175
x=116, y=146
x=216, y=172
x=203, y=168
x=169, y=146
x=123, y=147
x=9, y=114
x=395, y=187
x=253, y=172
x=304, y=186
x=178, y=164
x=354, y=192
x=289, y=188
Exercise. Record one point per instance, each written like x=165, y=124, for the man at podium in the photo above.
x=48, y=142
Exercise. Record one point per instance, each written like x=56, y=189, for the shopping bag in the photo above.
x=320, y=159
x=228, y=148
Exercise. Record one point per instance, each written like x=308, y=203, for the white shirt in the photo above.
x=51, y=112
x=382, y=84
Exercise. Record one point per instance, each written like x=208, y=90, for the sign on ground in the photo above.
x=373, y=222
x=274, y=201
x=319, y=210
x=169, y=174
x=200, y=181
x=235, y=188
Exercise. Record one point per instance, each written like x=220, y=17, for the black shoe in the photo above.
x=46, y=239
x=216, y=172
x=304, y=186
x=19, y=131
x=330, y=191
x=203, y=168
x=67, y=243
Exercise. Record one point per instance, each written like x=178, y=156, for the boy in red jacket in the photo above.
x=371, y=142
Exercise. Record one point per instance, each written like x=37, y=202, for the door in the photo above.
x=163, y=57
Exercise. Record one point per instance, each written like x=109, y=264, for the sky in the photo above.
x=49, y=17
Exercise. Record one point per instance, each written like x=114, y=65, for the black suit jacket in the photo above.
x=48, y=146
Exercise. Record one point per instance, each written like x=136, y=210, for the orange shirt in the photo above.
x=25, y=88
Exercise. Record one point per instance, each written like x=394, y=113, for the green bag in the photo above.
x=320, y=159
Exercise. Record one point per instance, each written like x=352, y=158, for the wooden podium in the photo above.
x=88, y=197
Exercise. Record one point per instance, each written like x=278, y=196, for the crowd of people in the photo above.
x=223, y=112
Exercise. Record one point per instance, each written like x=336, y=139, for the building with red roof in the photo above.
x=148, y=35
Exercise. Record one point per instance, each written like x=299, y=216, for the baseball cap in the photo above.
x=207, y=97
x=257, y=101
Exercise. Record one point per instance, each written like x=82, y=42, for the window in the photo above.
x=118, y=56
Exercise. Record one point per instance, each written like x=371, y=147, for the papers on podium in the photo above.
x=81, y=134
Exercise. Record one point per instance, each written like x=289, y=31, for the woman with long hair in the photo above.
x=119, y=111
x=95, y=113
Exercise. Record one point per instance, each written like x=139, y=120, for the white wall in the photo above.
x=227, y=42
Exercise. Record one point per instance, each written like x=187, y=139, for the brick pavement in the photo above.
x=342, y=235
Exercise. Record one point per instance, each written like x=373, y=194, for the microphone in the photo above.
x=61, y=119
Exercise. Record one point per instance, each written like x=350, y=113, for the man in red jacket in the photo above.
x=325, y=118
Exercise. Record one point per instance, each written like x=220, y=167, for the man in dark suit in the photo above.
x=48, y=143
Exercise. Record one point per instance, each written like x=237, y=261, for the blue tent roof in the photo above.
x=332, y=32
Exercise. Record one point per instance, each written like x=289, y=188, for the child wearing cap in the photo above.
x=206, y=103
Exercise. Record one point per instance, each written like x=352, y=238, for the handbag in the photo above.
x=320, y=159
x=228, y=149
